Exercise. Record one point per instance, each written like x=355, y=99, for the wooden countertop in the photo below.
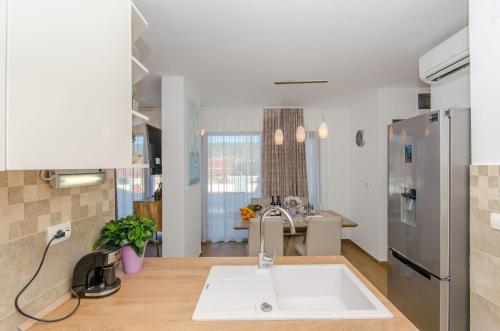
x=300, y=224
x=163, y=295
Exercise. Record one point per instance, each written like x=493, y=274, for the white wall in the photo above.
x=217, y=120
x=372, y=111
x=181, y=202
x=334, y=157
x=484, y=28
x=364, y=174
x=454, y=92
x=192, y=194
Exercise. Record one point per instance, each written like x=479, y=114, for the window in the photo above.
x=232, y=171
x=313, y=168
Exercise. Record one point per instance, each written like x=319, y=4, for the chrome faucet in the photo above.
x=264, y=260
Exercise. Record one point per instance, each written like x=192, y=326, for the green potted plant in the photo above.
x=131, y=233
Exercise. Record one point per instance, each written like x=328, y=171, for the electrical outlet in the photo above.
x=495, y=221
x=52, y=230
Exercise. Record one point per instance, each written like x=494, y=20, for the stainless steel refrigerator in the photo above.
x=428, y=218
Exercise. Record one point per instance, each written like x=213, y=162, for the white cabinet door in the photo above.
x=68, y=84
x=3, y=51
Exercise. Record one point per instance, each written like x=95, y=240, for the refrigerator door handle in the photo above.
x=411, y=265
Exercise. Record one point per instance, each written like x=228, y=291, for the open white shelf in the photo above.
x=139, y=71
x=140, y=165
x=142, y=118
x=138, y=26
x=139, y=23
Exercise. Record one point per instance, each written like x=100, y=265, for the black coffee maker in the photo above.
x=95, y=274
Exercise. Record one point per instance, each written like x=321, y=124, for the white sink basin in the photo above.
x=292, y=291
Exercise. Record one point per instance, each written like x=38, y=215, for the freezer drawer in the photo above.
x=421, y=297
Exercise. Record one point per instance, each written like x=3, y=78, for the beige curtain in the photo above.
x=283, y=167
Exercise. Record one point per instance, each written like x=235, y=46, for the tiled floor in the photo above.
x=371, y=269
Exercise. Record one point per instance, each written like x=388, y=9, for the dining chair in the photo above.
x=273, y=233
x=323, y=237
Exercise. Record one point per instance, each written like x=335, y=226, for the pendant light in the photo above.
x=278, y=137
x=323, y=129
x=278, y=134
x=300, y=134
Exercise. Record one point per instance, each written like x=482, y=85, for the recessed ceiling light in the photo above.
x=292, y=82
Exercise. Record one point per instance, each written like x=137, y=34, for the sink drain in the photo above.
x=266, y=307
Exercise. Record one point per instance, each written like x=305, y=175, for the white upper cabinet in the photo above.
x=68, y=84
x=3, y=53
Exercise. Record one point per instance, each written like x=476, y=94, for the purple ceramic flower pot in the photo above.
x=131, y=262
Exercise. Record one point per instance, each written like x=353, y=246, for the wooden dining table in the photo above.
x=300, y=224
x=300, y=228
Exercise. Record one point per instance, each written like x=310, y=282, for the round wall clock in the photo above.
x=360, y=138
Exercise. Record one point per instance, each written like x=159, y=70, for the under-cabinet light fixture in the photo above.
x=60, y=179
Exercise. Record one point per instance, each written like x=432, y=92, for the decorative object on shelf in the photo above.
x=360, y=138
x=131, y=233
x=300, y=134
x=135, y=103
x=278, y=137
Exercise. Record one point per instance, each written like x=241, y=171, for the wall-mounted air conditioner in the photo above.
x=447, y=59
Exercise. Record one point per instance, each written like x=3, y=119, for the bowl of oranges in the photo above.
x=250, y=211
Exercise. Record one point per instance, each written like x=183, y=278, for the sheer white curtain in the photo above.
x=313, y=168
x=231, y=177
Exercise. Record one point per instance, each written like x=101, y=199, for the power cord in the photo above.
x=59, y=234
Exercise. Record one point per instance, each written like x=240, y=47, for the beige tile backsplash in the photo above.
x=484, y=248
x=28, y=205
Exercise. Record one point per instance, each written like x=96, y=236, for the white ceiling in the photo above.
x=231, y=51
